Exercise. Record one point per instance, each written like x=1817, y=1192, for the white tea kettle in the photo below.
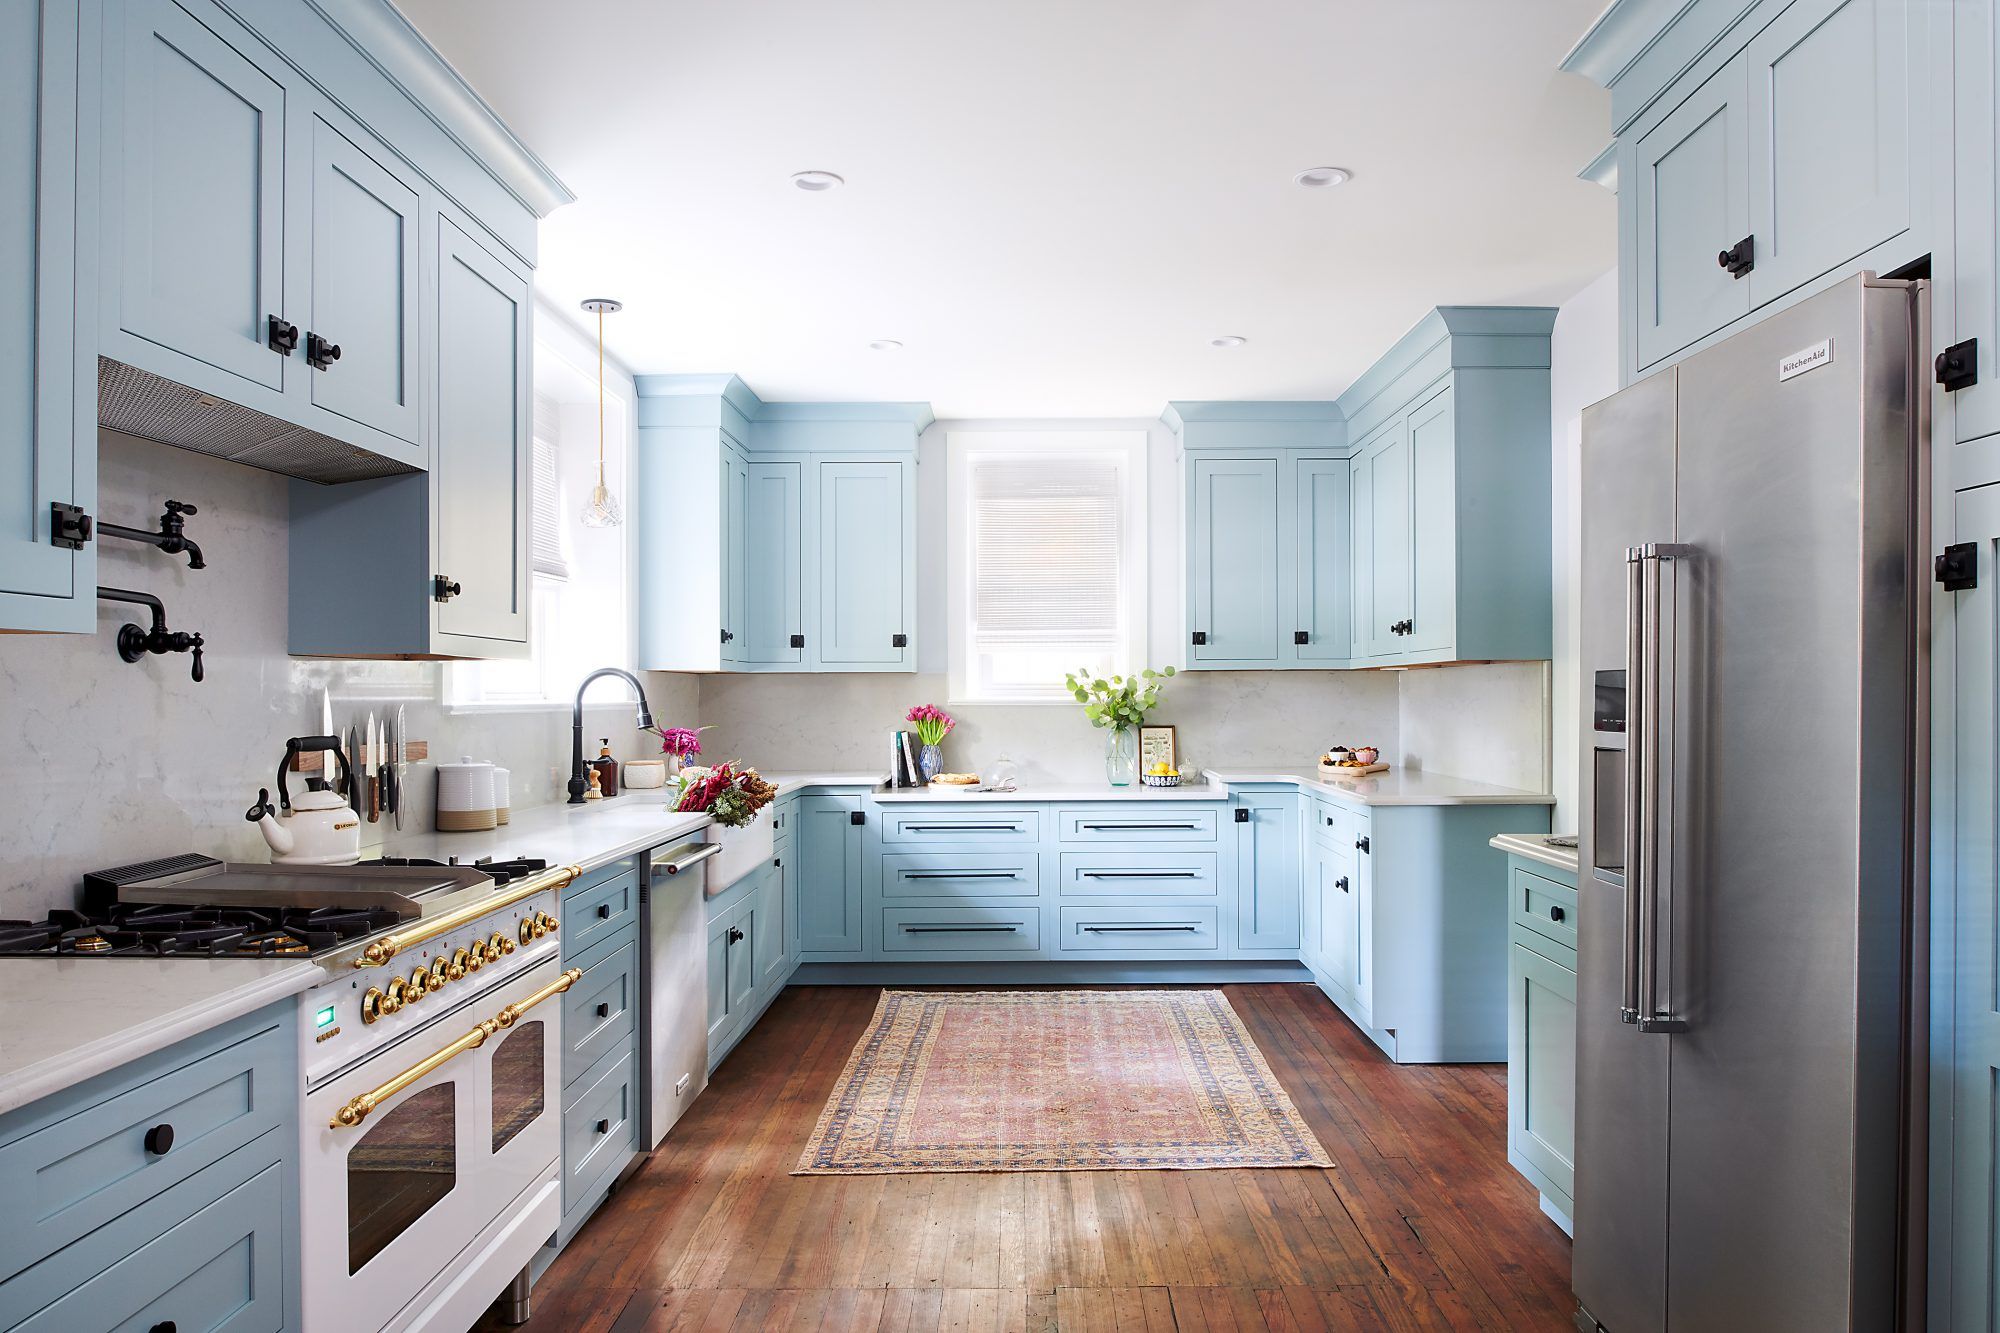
x=320, y=828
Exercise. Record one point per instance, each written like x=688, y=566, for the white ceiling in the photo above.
x=1054, y=204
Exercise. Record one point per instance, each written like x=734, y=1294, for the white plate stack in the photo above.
x=466, y=799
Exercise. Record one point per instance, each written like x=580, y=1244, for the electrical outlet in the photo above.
x=681, y=1084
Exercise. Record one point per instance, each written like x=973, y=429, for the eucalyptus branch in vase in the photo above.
x=1118, y=705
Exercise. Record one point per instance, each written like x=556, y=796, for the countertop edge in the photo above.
x=82, y=1063
x=1486, y=793
x=1531, y=847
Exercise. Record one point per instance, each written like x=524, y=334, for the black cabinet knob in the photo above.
x=1361, y=844
x=1329, y=819
x=604, y=1126
x=899, y=640
x=444, y=588
x=160, y=1140
x=1342, y=883
x=1242, y=815
x=735, y=935
x=604, y=1011
x=321, y=353
x=1557, y=914
x=165, y=1326
x=727, y=636
x=604, y=911
x=798, y=641
x=283, y=337
x=857, y=817
x=1300, y=636
x=1199, y=638
x=777, y=862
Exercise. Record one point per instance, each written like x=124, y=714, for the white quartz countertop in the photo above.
x=587, y=835
x=1398, y=786
x=1196, y=791
x=64, y=1020
x=1535, y=847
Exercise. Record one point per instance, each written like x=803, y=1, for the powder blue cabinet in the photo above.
x=1323, y=583
x=809, y=510
x=1976, y=271
x=866, y=540
x=1813, y=130
x=1541, y=1031
x=1381, y=489
x=48, y=386
x=1268, y=848
x=601, y=1033
x=828, y=836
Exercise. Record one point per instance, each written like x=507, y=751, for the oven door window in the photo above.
x=518, y=1078
x=403, y=1164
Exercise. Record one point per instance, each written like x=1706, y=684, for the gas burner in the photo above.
x=161, y=931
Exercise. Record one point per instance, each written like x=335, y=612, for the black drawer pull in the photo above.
x=1141, y=874
x=604, y=1126
x=1141, y=828
x=961, y=828
x=961, y=874
x=160, y=1140
x=604, y=911
x=960, y=930
x=1138, y=930
x=604, y=1011
x=1557, y=914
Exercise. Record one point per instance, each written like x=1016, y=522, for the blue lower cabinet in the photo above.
x=1541, y=1032
x=602, y=1111
x=116, y=1223
x=1268, y=849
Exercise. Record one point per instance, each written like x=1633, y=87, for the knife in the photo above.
x=326, y=768
x=388, y=766
x=354, y=768
x=371, y=788
x=401, y=761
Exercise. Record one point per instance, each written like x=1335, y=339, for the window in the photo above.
x=577, y=575
x=1047, y=563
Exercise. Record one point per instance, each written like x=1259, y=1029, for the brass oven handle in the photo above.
x=381, y=951
x=358, y=1108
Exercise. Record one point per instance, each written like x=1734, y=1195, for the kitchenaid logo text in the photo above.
x=1812, y=358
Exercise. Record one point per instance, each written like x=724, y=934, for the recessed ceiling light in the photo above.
x=1228, y=340
x=886, y=345
x=817, y=182
x=1318, y=178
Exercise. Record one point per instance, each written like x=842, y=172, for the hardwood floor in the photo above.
x=1420, y=1225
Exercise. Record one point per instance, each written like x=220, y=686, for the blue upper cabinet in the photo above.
x=1976, y=284
x=1405, y=524
x=47, y=371
x=1233, y=562
x=1765, y=150
x=194, y=181
x=362, y=303
x=866, y=543
x=811, y=511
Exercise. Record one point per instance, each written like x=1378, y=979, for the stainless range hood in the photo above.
x=140, y=403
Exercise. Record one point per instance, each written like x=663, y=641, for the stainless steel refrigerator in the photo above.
x=1751, y=829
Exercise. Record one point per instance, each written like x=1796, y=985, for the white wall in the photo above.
x=1584, y=369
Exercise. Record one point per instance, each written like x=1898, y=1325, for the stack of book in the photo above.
x=903, y=770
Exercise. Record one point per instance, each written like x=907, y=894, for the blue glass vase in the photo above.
x=930, y=761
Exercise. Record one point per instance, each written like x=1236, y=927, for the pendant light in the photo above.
x=602, y=511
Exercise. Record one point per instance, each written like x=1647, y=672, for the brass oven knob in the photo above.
x=461, y=963
x=528, y=929
x=420, y=984
x=550, y=922
x=372, y=1006
x=440, y=972
x=506, y=945
x=393, y=998
x=497, y=945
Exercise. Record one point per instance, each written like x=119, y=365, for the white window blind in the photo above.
x=545, y=501
x=1047, y=551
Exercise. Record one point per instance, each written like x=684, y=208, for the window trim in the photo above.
x=1130, y=447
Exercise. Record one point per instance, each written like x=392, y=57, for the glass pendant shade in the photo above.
x=603, y=510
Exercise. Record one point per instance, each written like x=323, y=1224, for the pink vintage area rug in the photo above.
x=1164, y=1080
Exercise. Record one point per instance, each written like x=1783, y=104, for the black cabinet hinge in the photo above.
x=798, y=641
x=1958, y=568
x=1739, y=258
x=1958, y=366
x=69, y=527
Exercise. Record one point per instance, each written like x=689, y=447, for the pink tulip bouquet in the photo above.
x=933, y=723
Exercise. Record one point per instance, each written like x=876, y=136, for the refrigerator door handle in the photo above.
x=1652, y=1018
x=1636, y=726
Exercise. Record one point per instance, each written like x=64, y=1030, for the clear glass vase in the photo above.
x=930, y=762
x=1121, y=757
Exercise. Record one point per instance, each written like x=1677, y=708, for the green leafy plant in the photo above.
x=1119, y=703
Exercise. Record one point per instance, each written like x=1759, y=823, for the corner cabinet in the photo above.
x=1407, y=523
x=1541, y=1031
x=48, y=386
x=795, y=545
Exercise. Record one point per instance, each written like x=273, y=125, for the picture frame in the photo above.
x=1156, y=745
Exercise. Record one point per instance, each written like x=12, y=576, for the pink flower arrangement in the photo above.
x=681, y=742
x=933, y=723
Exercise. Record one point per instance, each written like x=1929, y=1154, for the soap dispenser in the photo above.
x=606, y=769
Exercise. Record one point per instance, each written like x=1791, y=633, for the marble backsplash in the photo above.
x=109, y=763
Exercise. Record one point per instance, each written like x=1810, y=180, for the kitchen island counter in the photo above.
x=70, y=1019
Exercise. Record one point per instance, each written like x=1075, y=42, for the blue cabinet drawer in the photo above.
x=598, y=912
x=961, y=875
x=600, y=1129
x=610, y=870
x=979, y=825
x=75, y=1165
x=221, y=1269
x=1139, y=874
x=1542, y=905
x=998, y=929
x=1183, y=822
x=600, y=1011
x=1338, y=825
x=1133, y=929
